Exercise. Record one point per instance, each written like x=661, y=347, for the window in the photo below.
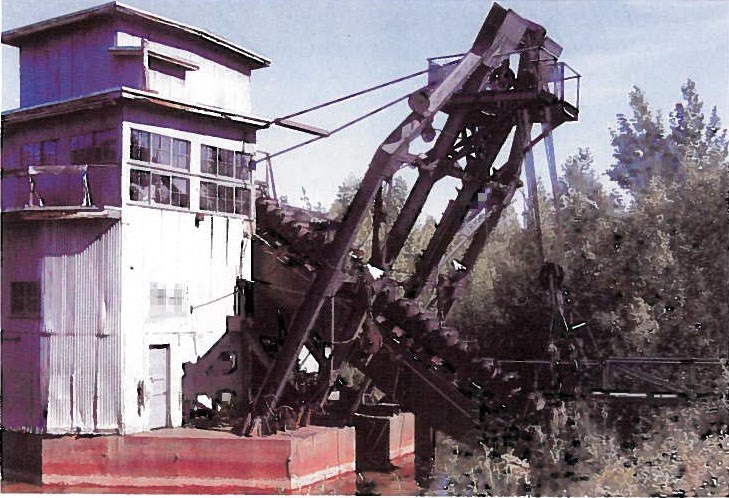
x=165, y=67
x=225, y=199
x=178, y=299
x=242, y=200
x=140, y=146
x=30, y=154
x=25, y=299
x=82, y=149
x=157, y=299
x=159, y=189
x=241, y=165
x=163, y=303
x=223, y=162
x=209, y=159
x=208, y=196
x=180, y=192
x=180, y=154
x=49, y=152
x=139, y=185
x=39, y=153
x=160, y=149
x=105, y=145
x=99, y=147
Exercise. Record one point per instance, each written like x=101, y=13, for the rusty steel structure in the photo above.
x=377, y=324
x=311, y=290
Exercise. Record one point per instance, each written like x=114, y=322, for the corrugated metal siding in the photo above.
x=81, y=320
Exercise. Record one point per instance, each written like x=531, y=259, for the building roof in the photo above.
x=17, y=36
x=113, y=96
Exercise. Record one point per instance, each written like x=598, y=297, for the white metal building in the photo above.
x=126, y=203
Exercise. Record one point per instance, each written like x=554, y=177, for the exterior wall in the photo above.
x=61, y=369
x=70, y=62
x=175, y=249
x=67, y=63
x=104, y=181
x=216, y=83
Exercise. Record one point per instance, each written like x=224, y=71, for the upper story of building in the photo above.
x=114, y=46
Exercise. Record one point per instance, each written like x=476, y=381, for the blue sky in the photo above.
x=322, y=49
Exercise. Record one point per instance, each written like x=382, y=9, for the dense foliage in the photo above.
x=646, y=267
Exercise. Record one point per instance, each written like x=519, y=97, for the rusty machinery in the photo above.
x=311, y=290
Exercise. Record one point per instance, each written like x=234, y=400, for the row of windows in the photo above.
x=101, y=147
x=98, y=147
x=223, y=162
x=169, y=190
x=224, y=198
x=159, y=189
x=160, y=149
x=25, y=300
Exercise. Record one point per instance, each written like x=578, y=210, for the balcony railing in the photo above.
x=86, y=189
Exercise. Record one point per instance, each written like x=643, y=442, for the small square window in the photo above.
x=139, y=185
x=25, y=299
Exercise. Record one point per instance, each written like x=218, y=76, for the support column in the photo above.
x=424, y=451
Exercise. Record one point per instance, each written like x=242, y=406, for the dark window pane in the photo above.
x=161, y=148
x=225, y=163
x=225, y=199
x=25, y=299
x=209, y=159
x=180, y=153
x=30, y=154
x=180, y=192
x=81, y=149
x=140, y=146
x=105, y=146
x=208, y=196
x=241, y=165
x=161, y=189
x=139, y=185
x=166, y=67
x=49, y=152
x=242, y=200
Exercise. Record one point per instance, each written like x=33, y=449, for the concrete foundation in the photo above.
x=383, y=440
x=175, y=459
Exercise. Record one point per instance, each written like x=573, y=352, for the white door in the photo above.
x=159, y=405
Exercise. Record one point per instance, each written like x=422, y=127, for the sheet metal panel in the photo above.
x=81, y=321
